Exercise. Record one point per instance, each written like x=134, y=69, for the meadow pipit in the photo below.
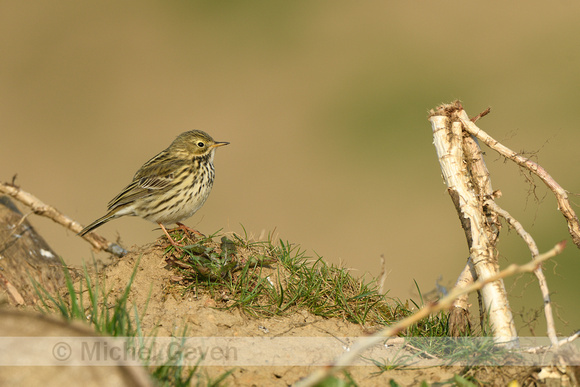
x=171, y=186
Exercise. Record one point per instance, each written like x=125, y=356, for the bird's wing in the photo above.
x=155, y=175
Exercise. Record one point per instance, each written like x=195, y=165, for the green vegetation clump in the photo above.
x=265, y=280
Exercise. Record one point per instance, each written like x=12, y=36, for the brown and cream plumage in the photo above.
x=170, y=187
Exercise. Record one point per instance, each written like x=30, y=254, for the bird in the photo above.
x=170, y=187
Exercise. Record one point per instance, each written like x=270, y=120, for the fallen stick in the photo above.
x=40, y=208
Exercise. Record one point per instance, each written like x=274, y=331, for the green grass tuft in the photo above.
x=113, y=318
x=115, y=321
x=265, y=280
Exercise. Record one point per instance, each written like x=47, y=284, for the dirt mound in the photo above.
x=165, y=306
x=168, y=311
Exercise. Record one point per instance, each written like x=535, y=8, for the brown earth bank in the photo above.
x=166, y=307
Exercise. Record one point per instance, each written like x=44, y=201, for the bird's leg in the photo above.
x=174, y=243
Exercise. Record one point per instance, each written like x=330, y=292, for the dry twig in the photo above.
x=481, y=115
x=551, y=327
x=560, y=193
x=40, y=208
x=367, y=342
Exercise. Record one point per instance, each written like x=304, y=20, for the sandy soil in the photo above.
x=168, y=310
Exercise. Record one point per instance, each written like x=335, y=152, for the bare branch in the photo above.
x=551, y=327
x=481, y=115
x=468, y=184
x=40, y=208
x=364, y=343
x=562, y=342
x=560, y=193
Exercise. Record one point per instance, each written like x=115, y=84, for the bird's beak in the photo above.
x=218, y=144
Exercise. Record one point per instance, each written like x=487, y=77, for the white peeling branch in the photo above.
x=448, y=141
x=559, y=192
x=551, y=326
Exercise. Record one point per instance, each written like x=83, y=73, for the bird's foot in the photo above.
x=171, y=240
x=188, y=230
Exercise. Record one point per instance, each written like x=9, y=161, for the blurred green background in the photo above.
x=325, y=105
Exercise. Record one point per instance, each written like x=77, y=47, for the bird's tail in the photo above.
x=99, y=222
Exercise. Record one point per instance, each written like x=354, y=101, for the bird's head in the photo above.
x=196, y=143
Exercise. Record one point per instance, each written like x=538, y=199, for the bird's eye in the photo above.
x=200, y=144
